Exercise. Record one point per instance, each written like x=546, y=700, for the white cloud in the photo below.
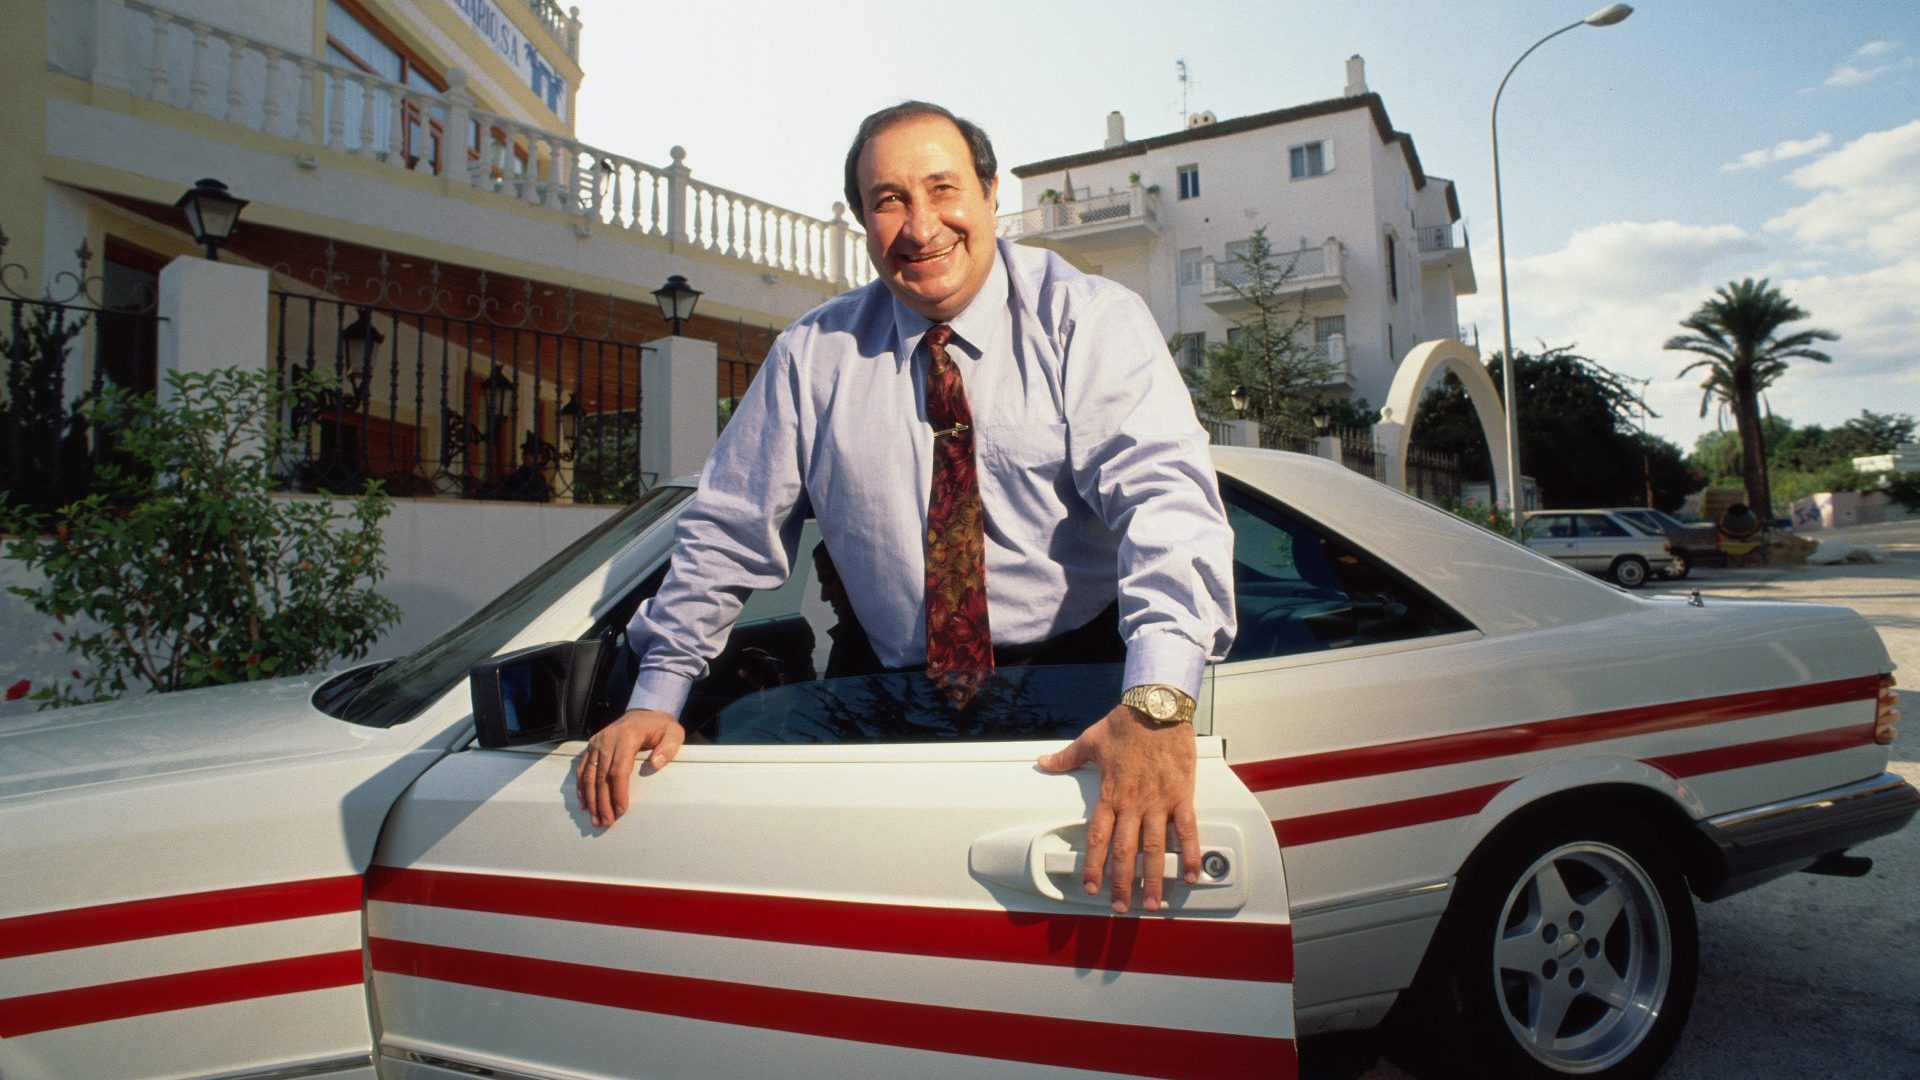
x=1849, y=254
x=1867, y=196
x=1780, y=151
x=1853, y=72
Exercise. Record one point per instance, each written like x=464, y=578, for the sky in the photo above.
x=1643, y=164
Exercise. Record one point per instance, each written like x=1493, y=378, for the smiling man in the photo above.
x=1007, y=468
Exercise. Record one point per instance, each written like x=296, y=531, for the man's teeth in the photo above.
x=933, y=255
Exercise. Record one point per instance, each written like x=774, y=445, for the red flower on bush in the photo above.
x=19, y=690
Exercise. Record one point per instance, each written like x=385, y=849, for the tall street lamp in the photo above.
x=1607, y=16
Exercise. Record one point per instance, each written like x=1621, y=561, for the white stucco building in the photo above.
x=1376, y=245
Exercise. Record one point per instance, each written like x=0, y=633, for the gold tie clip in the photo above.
x=954, y=430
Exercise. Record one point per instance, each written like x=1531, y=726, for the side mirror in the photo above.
x=536, y=695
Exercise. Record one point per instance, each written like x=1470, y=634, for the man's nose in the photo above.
x=922, y=223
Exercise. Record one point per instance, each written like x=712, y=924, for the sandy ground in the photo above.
x=1805, y=976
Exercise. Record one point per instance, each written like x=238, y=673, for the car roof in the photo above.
x=1499, y=585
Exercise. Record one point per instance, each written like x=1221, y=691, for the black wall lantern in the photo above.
x=211, y=212
x=676, y=299
x=500, y=395
x=358, y=343
x=1239, y=396
x=571, y=417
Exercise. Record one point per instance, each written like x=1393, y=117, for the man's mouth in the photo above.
x=931, y=255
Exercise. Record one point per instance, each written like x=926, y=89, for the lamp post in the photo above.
x=676, y=299
x=1607, y=16
x=1238, y=395
x=211, y=212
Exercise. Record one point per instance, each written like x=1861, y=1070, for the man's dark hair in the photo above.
x=984, y=165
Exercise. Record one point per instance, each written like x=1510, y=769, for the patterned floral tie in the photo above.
x=959, y=645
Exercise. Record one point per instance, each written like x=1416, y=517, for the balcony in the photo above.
x=1310, y=273
x=329, y=150
x=1440, y=253
x=1134, y=212
x=1333, y=353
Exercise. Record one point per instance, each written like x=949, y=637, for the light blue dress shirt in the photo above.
x=1094, y=473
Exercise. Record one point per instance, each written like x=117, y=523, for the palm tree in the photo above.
x=1735, y=331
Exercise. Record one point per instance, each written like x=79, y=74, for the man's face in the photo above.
x=930, y=227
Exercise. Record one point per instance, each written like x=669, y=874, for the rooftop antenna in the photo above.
x=1181, y=66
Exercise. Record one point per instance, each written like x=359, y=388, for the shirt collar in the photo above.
x=973, y=328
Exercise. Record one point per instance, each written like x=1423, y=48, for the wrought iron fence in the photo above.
x=1278, y=435
x=1358, y=453
x=1433, y=475
x=459, y=398
x=61, y=354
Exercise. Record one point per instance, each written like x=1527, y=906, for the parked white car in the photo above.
x=1599, y=542
x=1439, y=775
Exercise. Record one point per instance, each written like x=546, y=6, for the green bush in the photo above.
x=1490, y=516
x=182, y=570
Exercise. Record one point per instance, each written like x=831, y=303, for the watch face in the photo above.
x=1161, y=704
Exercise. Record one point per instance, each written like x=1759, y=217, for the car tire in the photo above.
x=1582, y=915
x=1629, y=571
x=1682, y=566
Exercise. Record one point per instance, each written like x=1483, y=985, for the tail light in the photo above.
x=1886, y=714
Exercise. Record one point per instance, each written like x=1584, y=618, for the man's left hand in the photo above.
x=1146, y=782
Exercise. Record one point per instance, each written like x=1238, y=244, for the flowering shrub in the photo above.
x=1489, y=516
x=181, y=569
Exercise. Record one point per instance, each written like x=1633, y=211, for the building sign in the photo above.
x=523, y=56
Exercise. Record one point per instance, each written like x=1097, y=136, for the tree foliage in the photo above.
x=1579, y=434
x=182, y=570
x=1271, y=354
x=1738, y=334
x=1804, y=460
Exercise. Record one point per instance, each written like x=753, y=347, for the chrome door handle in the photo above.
x=1040, y=860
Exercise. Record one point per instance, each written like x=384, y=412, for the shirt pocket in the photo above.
x=1027, y=465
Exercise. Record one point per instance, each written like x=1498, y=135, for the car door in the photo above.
x=837, y=883
x=1598, y=541
x=1553, y=535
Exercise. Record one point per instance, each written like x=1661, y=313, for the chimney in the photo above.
x=1116, y=129
x=1356, y=76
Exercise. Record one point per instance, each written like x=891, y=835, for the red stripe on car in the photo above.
x=104, y=924
x=1764, y=752
x=1545, y=734
x=1380, y=817
x=168, y=993
x=1198, y=947
x=1078, y=1044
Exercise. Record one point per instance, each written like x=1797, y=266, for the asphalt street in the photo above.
x=1805, y=976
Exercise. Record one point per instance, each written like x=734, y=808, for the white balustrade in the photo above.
x=320, y=105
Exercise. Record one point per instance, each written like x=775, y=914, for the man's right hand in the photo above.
x=612, y=757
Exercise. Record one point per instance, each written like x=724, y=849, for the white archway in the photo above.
x=1403, y=401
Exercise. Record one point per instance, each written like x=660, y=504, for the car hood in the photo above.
x=160, y=735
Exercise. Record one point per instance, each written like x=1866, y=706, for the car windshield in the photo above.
x=1641, y=521
x=397, y=691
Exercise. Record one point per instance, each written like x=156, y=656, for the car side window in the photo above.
x=1593, y=525
x=797, y=669
x=1299, y=589
x=1553, y=527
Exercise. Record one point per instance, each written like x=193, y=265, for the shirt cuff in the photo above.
x=1161, y=657
x=661, y=691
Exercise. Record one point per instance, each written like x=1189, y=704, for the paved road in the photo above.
x=1806, y=976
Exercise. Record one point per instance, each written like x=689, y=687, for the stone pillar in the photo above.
x=457, y=137
x=1326, y=446
x=109, y=45
x=679, y=179
x=214, y=315
x=679, y=414
x=1243, y=433
x=838, y=270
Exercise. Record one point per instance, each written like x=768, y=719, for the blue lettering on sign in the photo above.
x=522, y=55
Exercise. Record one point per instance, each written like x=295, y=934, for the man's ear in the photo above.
x=993, y=194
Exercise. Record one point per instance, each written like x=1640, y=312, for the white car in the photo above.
x=1600, y=543
x=1439, y=775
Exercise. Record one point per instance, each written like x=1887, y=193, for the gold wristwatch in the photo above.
x=1161, y=703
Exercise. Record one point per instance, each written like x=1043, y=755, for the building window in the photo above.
x=1189, y=181
x=1393, y=268
x=1190, y=266
x=1192, y=352
x=355, y=41
x=1328, y=325
x=1309, y=159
